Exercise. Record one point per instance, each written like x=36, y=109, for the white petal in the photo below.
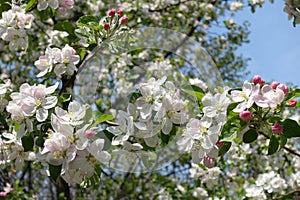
x=49, y=102
x=41, y=114
x=167, y=126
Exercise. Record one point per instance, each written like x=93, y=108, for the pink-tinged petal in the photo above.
x=39, y=93
x=266, y=88
x=41, y=114
x=49, y=102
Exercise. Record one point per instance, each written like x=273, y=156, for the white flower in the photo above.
x=255, y=192
x=68, y=61
x=215, y=105
x=17, y=38
x=125, y=122
x=43, y=4
x=171, y=111
x=235, y=6
x=35, y=100
x=4, y=87
x=200, y=193
x=46, y=62
x=269, y=97
x=200, y=139
x=74, y=115
x=96, y=149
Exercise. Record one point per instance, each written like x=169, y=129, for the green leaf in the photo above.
x=27, y=142
x=103, y=118
x=290, y=128
x=89, y=21
x=194, y=91
x=283, y=141
x=31, y=5
x=55, y=171
x=134, y=96
x=64, y=97
x=250, y=136
x=40, y=141
x=226, y=146
x=3, y=121
x=273, y=145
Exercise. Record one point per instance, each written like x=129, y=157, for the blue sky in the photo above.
x=274, y=46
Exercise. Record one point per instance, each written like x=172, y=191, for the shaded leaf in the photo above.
x=290, y=128
x=273, y=145
x=27, y=142
x=250, y=136
x=54, y=171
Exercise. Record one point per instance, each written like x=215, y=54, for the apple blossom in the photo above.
x=257, y=80
x=124, y=19
x=284, y=88
x=275, y=84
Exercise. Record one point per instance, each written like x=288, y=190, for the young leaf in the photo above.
x=31, y=5
x=250, y=136
x=273, y=146
x=194, y=91
x=103, y=118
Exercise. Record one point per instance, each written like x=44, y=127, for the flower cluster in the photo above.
x=62, y=60
x=13, y=25
x=62, y=5
x=73, y=145
x=157, y=109
x=202, y=135
x=32, y=100
x=292, y=8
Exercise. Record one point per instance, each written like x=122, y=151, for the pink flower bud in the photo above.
x=219, y=144
x=292, y=103
x=112, y=12
x=106, y=26
x=277, y=128
x=209, y=162
x=275, y=84
x=3, y=194
x=245, y=115
x=89, y=134
x=257, y=79
x=124, y=20
x=120, y=13
x=284, y=88
x=62, y=11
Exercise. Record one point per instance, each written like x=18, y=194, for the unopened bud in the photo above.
x=292, y=103
x=275, y=84
x=219, y=144
x=277, y=128
x=257, y=80
x=245, y=115
x=124, y=20
x=89, y=134
x=112, y=12
x=120, y=13
x=209, y=162
x=106, y=26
